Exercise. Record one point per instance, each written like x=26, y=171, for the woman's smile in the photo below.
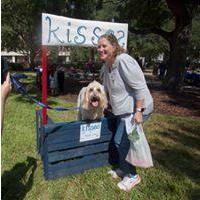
x=105, y=50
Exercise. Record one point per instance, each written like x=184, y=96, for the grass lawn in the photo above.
x=174, y=143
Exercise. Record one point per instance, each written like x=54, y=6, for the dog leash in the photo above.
x=20, y=88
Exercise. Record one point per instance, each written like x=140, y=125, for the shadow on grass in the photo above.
x=177, y=152
x=19, y=180
x=178, y=162
x=187, y=140
x=181, y=164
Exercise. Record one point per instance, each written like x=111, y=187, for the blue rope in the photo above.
x=20, y=88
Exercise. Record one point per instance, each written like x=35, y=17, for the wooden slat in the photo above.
x=69, y=131
x=64, y=126
x=77, y=152
x=55, y=128
x=77, y=166
x=45, y=157
x=71, y=135
x=77, y=169
x=76, y=143
x=78, y=161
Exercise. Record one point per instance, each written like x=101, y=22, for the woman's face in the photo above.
x=105, y=50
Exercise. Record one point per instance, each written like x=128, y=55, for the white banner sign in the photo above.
x=90, y=131
x=64, y=31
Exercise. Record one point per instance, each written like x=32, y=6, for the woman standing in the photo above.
x=128, y=93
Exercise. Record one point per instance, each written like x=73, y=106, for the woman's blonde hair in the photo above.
x=114, y=42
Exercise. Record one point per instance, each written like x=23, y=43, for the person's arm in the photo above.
x=133, y=76
x=5, y=90
x=138, y=111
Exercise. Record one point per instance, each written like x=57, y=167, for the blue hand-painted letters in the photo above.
x=76, y=34
x=91, y=127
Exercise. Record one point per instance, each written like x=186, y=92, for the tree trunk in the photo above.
x=179, y=40
x=177, y=59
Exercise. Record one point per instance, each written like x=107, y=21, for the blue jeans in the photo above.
x=122, y=144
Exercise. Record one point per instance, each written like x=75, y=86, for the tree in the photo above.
x=82, y=9
x=194, y=50
x=179, y=40
x=21, y=21
x=149, y=46
x=21, y=24
x=151, y=16
x=139, y=45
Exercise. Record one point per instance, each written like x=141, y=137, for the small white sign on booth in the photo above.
x=90, y=131
x=64, y=31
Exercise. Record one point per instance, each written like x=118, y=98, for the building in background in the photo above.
x=14, y=57
x=63, y=54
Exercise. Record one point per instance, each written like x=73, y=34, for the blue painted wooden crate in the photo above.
x=65, y=150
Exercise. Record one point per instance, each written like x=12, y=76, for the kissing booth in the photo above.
x=73, y=147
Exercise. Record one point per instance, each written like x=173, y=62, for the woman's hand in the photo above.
x=138, y=118
x=5, y=91
x=6, y=88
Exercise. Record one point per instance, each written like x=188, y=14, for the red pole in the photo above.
x=44, y=83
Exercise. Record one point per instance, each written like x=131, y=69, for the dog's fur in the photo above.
x=92, y=101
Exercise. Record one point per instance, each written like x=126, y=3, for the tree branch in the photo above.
x=158, y=31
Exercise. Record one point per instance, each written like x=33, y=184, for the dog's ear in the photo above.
x=104, y=102
x=85, y=102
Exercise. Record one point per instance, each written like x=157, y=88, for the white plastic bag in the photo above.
x=139, y=152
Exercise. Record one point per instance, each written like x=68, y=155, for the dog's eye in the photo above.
x=99, y=90
x=91, y=90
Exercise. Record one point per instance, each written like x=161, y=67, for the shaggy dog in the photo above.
x=91, y=102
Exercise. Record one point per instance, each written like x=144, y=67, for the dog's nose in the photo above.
x=95, y=98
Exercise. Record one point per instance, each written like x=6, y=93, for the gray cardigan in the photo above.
x=125, y=84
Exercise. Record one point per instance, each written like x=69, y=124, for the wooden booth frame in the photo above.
x=59, y=144
x=62, y=149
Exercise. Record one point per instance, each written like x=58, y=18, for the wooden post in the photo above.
x=44, y=83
